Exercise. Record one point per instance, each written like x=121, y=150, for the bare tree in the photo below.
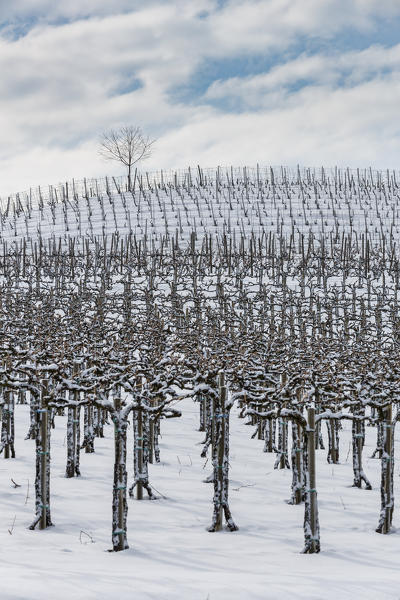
x=127, y=145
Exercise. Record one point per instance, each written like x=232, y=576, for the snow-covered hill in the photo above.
x=234, y=202
x=171, y=553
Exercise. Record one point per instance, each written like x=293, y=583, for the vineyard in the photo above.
x=225, y=343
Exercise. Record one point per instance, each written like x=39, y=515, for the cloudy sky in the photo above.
x=217, y=82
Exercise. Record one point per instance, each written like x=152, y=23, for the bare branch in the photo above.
x=127, y=145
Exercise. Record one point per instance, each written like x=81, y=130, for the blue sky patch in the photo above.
x=127, y=87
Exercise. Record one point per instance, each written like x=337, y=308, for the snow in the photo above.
x=171, y=554
x=236, y=203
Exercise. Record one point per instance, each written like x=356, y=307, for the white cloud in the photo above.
x=256, y=25
x=48, y=10
x=345, y=70
x=60, y=85
x=354, y=127
x=60, y=82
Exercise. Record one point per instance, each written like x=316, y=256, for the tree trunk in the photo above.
x=282, y=461
x=387, y=464
x=33, y=406
x=311, y=521
x=141, y=455
x=8, y=426
x=297, y=465
x=129, y=177
x=358, y=436
x=73, y=442
x=42, y=479
x=333, y=441
x=269, y=435
x=120, y=504
x=88, y=430
x=221, y=462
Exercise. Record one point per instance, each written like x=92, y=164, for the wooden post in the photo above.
x=203, y=413
x=44, y=455
x=260, y=432
x=121, y=535
x=298, y=492
x=221, y=447
x=271, y=424
x=151, y=440
x=140, y=441
x=388, y=476
x=253, y=418
x=283, y=426
x=11, y=425
x=74, y=424
x=121, y=519
x=7, y=425
x=283, y=448
x=213, y=410
x=89, y=446
x=152, y=433
x=359, y=446
x=312, y=477
x=335, y=450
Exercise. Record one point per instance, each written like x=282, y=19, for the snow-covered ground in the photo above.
x=171, y=554
x=238, y=203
